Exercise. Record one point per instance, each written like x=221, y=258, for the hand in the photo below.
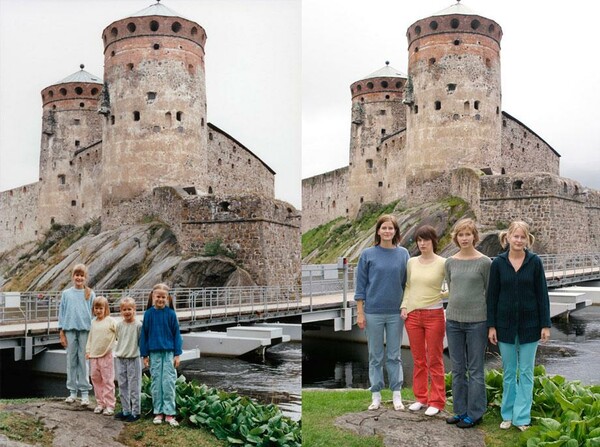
x=492, y=336
x=146, y=362
x=63, y=339
x=545, y=334
x=176, y=361
x=361, y=322
x=87, y=356
x=403, y=313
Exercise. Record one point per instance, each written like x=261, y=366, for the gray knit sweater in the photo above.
x=467, y=284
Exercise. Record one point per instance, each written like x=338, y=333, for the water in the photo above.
x=573, y=352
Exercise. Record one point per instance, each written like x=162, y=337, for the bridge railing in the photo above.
x=201, y=303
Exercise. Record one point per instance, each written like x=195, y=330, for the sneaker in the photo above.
x=376, y=401
x=172, y=421
x=158, y=419
x=505, y=425
x=122, y=416
x=397, y=401
x=455, y=419
x=523, y=427
x=416, y=406
x=132, y=418
x=431, y=411
x=108, y=411
x=98, y=409
x=70, y=399
x=468, y=422
x=85, y=402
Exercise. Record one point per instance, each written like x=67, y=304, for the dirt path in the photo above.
x=73, y=425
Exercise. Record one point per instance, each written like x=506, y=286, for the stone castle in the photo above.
x=136, y=145
x=441, y=130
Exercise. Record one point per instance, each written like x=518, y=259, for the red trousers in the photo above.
x=426, y=329
x=102, y=371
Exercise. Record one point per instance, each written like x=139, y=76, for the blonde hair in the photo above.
x=462, y=225
x=160, y=286
x=514, y=226
x=101, y=301
x=81, y=268
x=127, y=300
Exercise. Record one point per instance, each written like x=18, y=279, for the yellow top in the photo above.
x=423, y=284
x=101, y=338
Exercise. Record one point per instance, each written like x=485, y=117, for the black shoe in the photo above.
x=468, y=422
x=454, y=419
x=132, y=418
x=121, y=416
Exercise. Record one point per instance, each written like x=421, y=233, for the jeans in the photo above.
x=466, y=346
x=425, y=329
x=517, y=387
x=77, y=366
x=386, y=327
x=164, y=375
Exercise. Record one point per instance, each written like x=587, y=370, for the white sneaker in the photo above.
x=108, y=411
x=70, y=399
x=98, y=409
x=416, y=406
x=85, y=402
x=431, y=411
x=397, y=400
x=505, y=425
x=375, y=401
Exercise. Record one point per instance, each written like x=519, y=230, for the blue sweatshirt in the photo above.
x=160, y=332
x=380, y=278
x=75, y=312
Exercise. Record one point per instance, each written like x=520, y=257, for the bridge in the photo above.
x=29, y=320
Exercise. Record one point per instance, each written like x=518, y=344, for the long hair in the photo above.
x=81, y=268
x=160, y=286
x=462, y=225
x=380, y=222
x=427, y=233
x=514, y=226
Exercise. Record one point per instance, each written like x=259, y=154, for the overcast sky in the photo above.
x=253, y=73
x=550, y=71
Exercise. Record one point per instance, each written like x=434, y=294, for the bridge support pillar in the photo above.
x=344, y=321
x=25, y=351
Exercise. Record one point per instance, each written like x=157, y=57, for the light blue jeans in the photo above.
x=386, y=327
x=164, y=375
x=77, y=365
x=518, y=361
x=466, y=347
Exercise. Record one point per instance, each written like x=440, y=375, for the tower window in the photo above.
x=456, y=42
x=382, y=112
x=62, y=179
x=503, y=123
x=358, y=87
x=130, y=66
x=77, y=142
x=399, y=84
x=384, y=84
x=63, y=91
x=451, y=87
x=112, y=119
x=168, y=118
x=194, y=31
x=176, y=27
x=76, y=122
x=518, y=184
x=438, y=105
x=78, y=90
x=382, y=131
x=467, y=106
x=114, y=31
x=387, y=96
x=81, y=104
x=151, y=96
x=370, y=84
x=417, y=30
x=476, y=105
x=369, y=164
x=136, y=116
x=433, y=25
x=73, y=202
x=210, y=136
x=380, y=184
x=431, y=60
x=179, y=116
x=454, y=23
x=475, y=24
x=154, y=25
x=210, y=190
x=156, y=46
x=131, y=27
x=416, y=109
x=94, y=91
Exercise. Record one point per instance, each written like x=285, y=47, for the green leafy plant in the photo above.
x=216, y=247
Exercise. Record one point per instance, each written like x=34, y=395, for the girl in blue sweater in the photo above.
x=380, y=281
x=160, y=347
x=518, y=316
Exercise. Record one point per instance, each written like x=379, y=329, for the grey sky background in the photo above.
x=550, y=71
x=253, y=73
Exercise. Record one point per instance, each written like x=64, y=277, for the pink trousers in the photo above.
x=102, y=371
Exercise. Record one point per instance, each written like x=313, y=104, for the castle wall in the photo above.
x=394, y=161
x=523, y=148
x=18, y=216
x=324, y=198
x=234, y=169
x=87, y=172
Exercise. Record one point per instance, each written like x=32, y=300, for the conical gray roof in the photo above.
x=81, y=76
x=386, y=72
x=458, y=8
x=158, y=9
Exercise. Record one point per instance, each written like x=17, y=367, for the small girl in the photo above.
x=129, y=367
x=160, y=347
x=74, y=322
x=99, y=351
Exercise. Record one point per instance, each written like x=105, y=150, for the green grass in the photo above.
x=145, y=434
x=25, y=428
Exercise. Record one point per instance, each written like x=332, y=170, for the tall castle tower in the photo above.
x=454, y=117
x=377, y=112
x=154, y=101
x=70, y=123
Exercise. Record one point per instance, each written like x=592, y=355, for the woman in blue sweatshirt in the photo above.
x=380, y=280
x=518, y=310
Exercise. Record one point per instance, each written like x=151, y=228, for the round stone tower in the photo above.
x=454, y=94
x=377, y=113
x=70, y=123
x=154, y=101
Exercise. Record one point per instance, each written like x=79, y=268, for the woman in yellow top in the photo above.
x=423, y=311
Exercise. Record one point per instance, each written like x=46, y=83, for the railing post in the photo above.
x=345, y=291
x=310, y=289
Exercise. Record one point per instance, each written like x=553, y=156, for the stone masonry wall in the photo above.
x=18, y=216
x=234, y=169
x=324, y=198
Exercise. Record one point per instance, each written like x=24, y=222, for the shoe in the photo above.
x=523, y=427
x=505, y=425
x=70, y=399
x=397, y=401
x=375, y=401
x=416, y=406
x=108, y=411
x=455, y=419
x=158, y=419
x=98, y=409
x=132, y=418
x=172, y=421
x=85, y=402
x=431, y=411
x=468, y=422
x=120, y=416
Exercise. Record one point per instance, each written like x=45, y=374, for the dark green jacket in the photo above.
x=517, y=302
